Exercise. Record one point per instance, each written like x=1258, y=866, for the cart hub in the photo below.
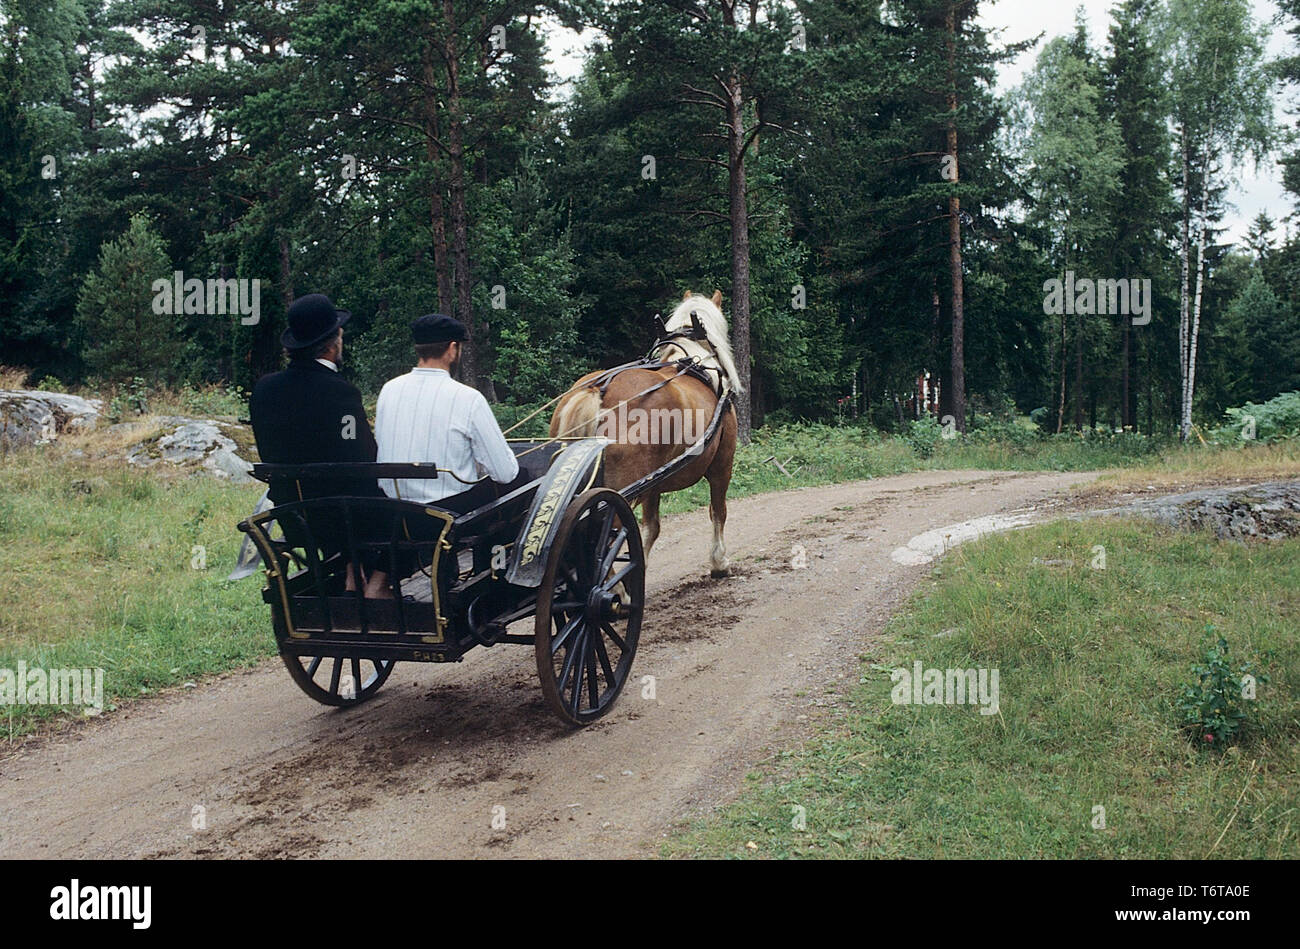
x=603, y=606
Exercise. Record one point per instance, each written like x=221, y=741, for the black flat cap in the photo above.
x=312, y=319
x=438, y=328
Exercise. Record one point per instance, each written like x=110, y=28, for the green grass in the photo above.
x=1090, y=664
x=98, y=570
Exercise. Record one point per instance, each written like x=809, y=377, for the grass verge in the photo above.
x=1090, y=665
x=108, y=567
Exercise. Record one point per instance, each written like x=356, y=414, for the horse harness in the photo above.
x=686, y=365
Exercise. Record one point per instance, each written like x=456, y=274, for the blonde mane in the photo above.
x=715, y=327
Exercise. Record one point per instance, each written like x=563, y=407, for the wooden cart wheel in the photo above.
x=332, y=680
x=589, y=607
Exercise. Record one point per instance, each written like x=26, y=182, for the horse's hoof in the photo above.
x=720, y=574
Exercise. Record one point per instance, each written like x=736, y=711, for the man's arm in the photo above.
x=491, y=450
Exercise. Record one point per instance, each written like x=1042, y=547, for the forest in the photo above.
x=892, y=235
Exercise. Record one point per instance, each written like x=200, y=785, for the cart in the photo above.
x=562, y=550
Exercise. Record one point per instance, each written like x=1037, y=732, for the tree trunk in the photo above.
x=957, y=382
x=739, y=213
x=437, y=207
x=1078, y=372
x=1184, y=308
x=936, y=327
x=1060, y=408
x=1125, y=411
x=1135, y=378
x=474, y=363
x=1196, y=306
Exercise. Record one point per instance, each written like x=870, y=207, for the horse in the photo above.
x=601, y=404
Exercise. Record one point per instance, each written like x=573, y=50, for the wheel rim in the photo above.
x=589, y=607
x=337, y=680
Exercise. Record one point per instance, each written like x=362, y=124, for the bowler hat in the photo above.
x=438, y=328
x=312, y=319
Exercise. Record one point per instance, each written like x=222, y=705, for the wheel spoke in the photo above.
x=593, y=687
x=605, y=525
x=612, y=554
x=334, y=676
x=564, y=634
x=311, y=670
x=618, y=578
x=356, y=678
x=570, y=660
x=618, y=640
x=603, y=656
x=578, y=669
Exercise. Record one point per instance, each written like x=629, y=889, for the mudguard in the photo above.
x=249, y=556
x=573, y=471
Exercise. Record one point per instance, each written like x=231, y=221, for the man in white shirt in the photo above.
x=427, y=416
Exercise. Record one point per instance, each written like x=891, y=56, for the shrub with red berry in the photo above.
x=1215, y=706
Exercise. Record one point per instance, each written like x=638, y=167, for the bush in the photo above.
x=923, y=435
x=990, y=430
x=1214, y=709
x=214, y=400
x=1278, y=419
x=130, y=398
x=509, y=414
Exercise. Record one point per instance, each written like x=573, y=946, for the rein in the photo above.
x=602, y=382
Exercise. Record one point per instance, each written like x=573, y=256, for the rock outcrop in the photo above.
x=1268, y=511
x=31, y=417
x=200, y=442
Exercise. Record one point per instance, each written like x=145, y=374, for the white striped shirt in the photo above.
x=427, y=416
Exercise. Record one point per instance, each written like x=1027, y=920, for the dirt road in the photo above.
x=739, y=667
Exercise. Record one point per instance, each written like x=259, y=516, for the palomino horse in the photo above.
x=677, y=408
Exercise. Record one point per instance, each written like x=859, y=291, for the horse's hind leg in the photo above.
x=718, y=563
x=649, y=522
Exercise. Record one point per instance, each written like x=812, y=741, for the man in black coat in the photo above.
x=309, y=413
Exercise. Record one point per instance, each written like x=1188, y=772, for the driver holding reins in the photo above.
x=427, y=416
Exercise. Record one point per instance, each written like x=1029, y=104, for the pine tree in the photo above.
x=1143, y=207
x=124, y=334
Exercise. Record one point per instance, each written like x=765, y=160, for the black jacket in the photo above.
x=301, y=416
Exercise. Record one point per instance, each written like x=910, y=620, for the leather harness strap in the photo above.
x=687, y=365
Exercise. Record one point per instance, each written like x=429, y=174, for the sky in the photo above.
x=1259, y=189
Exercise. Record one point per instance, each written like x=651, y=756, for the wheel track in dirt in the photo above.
x=420, y=771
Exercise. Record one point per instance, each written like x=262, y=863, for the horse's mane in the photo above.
x=715, y=327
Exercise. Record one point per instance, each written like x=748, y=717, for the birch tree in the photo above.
x=1220, y=88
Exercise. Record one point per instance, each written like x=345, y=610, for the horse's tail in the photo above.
x=578, y=416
